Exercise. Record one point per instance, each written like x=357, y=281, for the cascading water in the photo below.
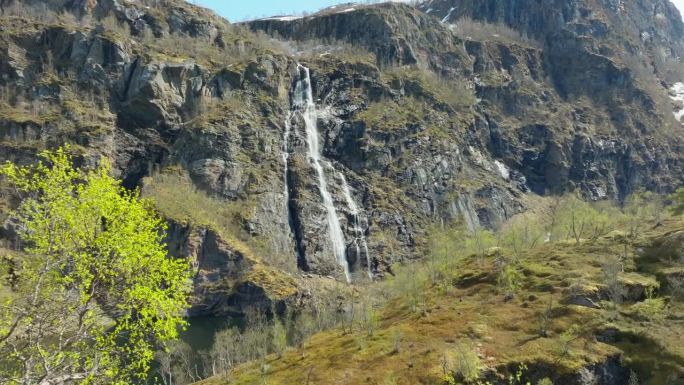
x=359, y=236
x=286, y=155
x=304, y=104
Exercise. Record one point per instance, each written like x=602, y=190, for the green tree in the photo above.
x=522, y=232
x=478, y=241
x=509, y=279
x=581, y=220
x=96, y=293
x=446, y=243
x=279, y=337
x=639, y=209
x=677, y=201
x=225, y=352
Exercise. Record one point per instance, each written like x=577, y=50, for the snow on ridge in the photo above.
x=283, y=18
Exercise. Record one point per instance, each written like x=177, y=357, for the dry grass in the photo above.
x=410, y=343
x=433, y=87
x=177, y=198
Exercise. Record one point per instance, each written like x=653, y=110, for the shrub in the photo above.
x=566, y=339
x=677, y=199
x=651, y=309
x=614, y=287
x=466, y=365
x=509, y=279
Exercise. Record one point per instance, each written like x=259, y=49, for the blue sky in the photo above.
x=680, y=5
x=238, y=10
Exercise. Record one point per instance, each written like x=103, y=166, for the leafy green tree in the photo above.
x=466, y=364
x=225, y=352
x=677, y=201
x=509, y=279
x=95, y=293
x=581, y=220
x=446, y=243
x=478, y=241
x=640, y=208
x=279, y=337
x=522, y=232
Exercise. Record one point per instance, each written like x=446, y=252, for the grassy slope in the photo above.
x=177, y=199
x=468, y=312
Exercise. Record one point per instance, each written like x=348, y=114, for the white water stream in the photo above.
x=678, y=96
x=304, y=103
x=359, y=236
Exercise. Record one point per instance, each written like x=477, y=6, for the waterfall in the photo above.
x=359, y=236
x=304, y=103
x=286, y=155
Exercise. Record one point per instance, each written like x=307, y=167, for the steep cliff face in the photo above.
x=422, y=116
x=578, y=87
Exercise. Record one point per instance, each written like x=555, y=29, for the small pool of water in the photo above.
x=201, y=330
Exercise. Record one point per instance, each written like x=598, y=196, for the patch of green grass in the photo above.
x=38, y=115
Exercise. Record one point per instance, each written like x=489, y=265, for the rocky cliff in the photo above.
x=451, y=111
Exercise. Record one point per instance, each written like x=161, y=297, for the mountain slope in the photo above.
x=420, y=120
x=559, y=325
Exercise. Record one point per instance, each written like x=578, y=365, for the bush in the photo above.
x=467, y=364
x=578, y=220
x=677, y=199
x=566, y=339
x=651, y=309
x=522, y=232
x=509, y=279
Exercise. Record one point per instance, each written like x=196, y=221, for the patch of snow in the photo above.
x=678, y=96
x=348, y=10
x=503, y=170
x=283, y=18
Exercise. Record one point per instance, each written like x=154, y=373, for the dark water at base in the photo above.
x=201, y=330
x=200, y=336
